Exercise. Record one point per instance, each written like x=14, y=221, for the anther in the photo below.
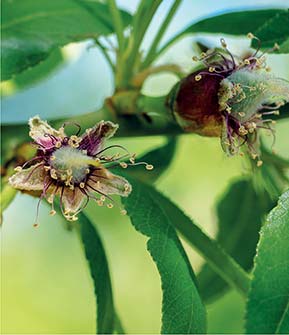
x=18, y=169
x=102, y=198
x=123, y=212
x=47, y=167
x=123, y=165
x=198, y=77
x=36, y=225
x=195, y=58
x=211, y=69
x=223, y=43
x=82, y=185
x=52, y=158
x=52, y=212
x=250, y=36
x=109, y=205
x=259, y=163
x=149, y=167
x=58, y=144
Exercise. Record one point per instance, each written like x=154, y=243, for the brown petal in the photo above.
x=40, y=129
x=72, y=200
x=108, y=183
x=93, y=139
x=31, y=179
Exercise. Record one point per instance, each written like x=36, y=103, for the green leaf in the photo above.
x=240, y=216
x=160, y=158
x=32, y=29
x=275, y=30
x=182, y=308
x=99, y=270
x=268, y=301
x=233, y=23
x=35, y=74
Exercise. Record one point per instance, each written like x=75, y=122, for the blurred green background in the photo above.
x=45, y=282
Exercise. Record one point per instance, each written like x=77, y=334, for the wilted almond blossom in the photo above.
x=75, y=168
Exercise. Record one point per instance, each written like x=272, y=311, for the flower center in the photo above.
x=69, y=165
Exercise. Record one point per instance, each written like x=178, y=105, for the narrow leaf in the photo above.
x=182, y=309
x=233, y=23
x=275, y=30
x=99, y=270
x=32, y=29
x=268, y=301
x=240, y=215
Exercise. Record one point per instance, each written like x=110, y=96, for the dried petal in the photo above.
x=93, y=140
x=31, y=179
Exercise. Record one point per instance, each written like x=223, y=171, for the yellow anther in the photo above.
x=82, y=185
x=254, y=156
x=198, y=77
x=211, y=69
x=126, y=187
x=203, y=55
x=250, y=35
x=58, y=144
x=102, y=198
x=36, y=225
x=277, y=112
x=50, y=199
x=47, y=167
x=123, y=212
x=149, y=167
x=247, y=62
x=195, y=58
x=52, y=212
x=18, y=169
x=87, y=171
x=242, y=114
x=99, y=202
x=276, y=46
x=259, y=163
x=53, y=174
x=52, y=158
x=109, y=205
x=243, y=131
x=223, y=43
x=267, y=68
x=123, y=165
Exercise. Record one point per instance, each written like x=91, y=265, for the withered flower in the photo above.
x=229, y=98
x=75, y=168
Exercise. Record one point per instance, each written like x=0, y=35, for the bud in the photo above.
x=228, y=98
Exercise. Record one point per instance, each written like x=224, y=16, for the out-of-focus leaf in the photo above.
x=182, y=308
x=275, y=30
x=7, y=195
x=160, y=158
x=35, y=74
x=268, y=301
x=240, y=215
x=234, y=23
x=99, y=271
x=32, y=29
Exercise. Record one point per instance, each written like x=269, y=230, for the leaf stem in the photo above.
x=152, y=52
x=106, y=55
x=118, y=24
x=142, y=19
